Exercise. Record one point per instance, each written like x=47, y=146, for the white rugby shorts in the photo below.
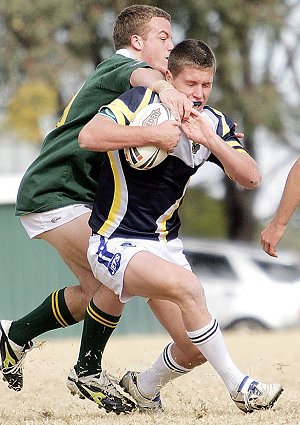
x=37, y=223
x=109, y=258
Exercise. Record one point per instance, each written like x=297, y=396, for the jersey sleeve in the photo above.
x=118, y=79
x=123, y=109
x=226, y=130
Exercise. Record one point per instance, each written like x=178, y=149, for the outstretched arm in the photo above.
x=290, y=200
x=240, y=167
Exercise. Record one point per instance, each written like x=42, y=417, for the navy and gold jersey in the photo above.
x=144, y=203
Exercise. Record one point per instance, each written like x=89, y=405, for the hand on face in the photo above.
x=177, y=102
x=198, y=129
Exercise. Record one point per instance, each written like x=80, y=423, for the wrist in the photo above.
x=162, y=85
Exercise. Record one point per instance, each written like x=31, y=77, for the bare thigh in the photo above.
x=150, y=276
x=71, y=241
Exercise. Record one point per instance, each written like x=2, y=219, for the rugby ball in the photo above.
x=146, y=157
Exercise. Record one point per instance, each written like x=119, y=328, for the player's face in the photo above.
x=195, y=83
x=157, y=44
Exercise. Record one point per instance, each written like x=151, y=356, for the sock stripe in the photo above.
x=200, y=339
x=100, y=319
x=56, y=311
x=168, y=360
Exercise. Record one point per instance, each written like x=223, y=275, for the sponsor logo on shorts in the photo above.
x=127, y=244
x=55, y=219
x=114, y=264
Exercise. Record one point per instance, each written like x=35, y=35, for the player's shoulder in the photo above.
x=217, y=116
x=213, y=111
x=137, y=96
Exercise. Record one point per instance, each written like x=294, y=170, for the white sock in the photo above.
x=164, y=370
x=210, y=342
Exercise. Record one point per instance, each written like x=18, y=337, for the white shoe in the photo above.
x=12, y=357
x=129, y=383
x=102, y=390
x=259, y=396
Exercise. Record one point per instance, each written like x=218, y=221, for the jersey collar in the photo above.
x=125, y=52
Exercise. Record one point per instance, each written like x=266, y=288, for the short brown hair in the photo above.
x=191, y=53
x=134, y=20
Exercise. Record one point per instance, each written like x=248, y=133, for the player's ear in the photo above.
x=136, y=42
x=169, y=76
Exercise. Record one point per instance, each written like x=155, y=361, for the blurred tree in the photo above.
x=256, y=45
x=37, y=100
x=54, y=42
x=203, y=219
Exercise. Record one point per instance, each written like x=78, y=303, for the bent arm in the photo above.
x=290, y=200
x=147, y=77
x=238, y=165
x=102, y=134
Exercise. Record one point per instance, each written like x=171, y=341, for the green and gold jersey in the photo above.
x=64, y=174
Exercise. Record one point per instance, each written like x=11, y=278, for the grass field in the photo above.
x=197, y=398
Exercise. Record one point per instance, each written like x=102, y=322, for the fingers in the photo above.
x=240, y=135
x=195, y=113
x=187, y=109
x=177, y=102
x=268, y=247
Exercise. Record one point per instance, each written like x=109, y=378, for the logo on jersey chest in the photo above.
x=195, y=148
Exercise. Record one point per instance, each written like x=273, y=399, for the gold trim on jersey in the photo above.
x=162, y=220
x=118, y=208
x=225, y=126
x=121, y=110
x=145, y=101
x=63, y=118
x=117, y=107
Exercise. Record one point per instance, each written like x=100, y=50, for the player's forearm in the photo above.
x=290, y=199
x=103, y=134
x=239, y=166
x=148, y=77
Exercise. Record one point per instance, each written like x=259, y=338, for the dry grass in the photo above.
x=198, y=398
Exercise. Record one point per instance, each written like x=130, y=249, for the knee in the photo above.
x=189, y=292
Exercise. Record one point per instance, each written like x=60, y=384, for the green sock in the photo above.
x=98, y=327
x=53, y=313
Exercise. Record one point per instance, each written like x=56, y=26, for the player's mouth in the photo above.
x=197, y=103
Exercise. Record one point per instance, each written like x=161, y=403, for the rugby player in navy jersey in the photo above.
x=135, y=250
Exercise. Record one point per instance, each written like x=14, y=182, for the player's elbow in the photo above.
x=255, y=179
